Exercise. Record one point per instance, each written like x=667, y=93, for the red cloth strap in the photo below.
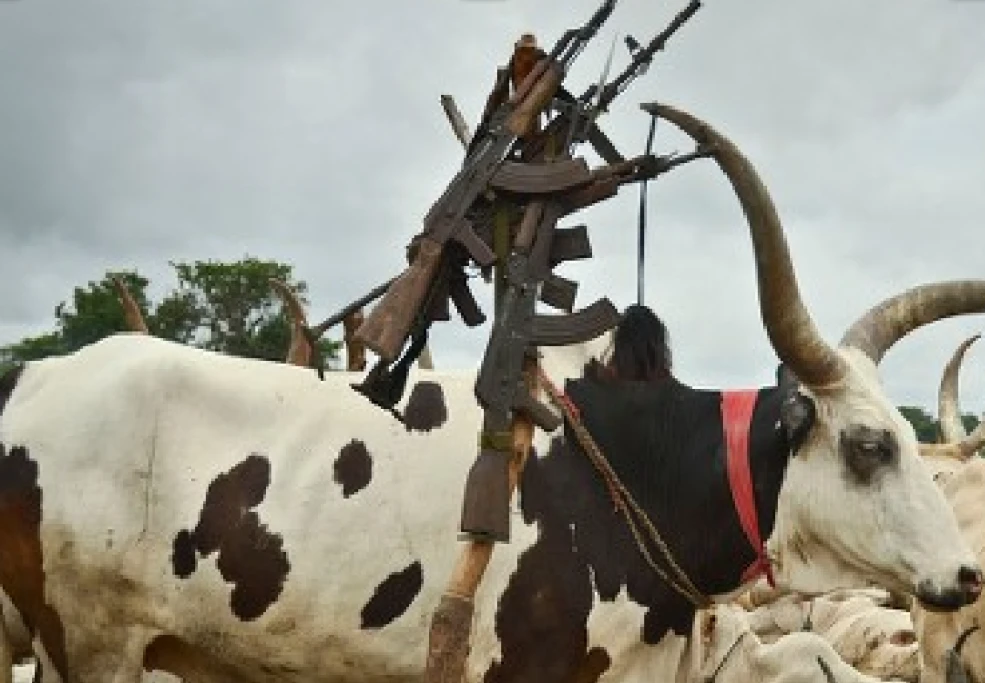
x=737, y=407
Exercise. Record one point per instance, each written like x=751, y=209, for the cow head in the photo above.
x=857, y=505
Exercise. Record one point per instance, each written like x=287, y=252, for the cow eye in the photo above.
x=867, y=452
x=877, y=450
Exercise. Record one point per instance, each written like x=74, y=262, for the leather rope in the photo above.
x=624, y=501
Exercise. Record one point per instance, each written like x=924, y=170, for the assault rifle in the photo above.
x=517, y=331
x=579, y=114
x=386, y=328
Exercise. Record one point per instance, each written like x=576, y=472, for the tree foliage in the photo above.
x=230, y=308
x=927, y=427
x=225, y=307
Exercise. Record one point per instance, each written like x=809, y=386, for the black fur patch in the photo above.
x=8, y=382
x=665, y=441
x=250, y=557
x=353, y=469
x=425, y=408
x=393, y=596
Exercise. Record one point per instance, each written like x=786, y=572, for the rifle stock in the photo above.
x=522, y=118
x=385, y=329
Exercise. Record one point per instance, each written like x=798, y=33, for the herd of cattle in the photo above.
x=168, y=513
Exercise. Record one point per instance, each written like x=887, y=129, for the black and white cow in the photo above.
x=225, y=519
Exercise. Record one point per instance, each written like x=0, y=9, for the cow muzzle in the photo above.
x=967, y=589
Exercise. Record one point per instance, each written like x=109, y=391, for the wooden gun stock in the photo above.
x=534, y=98
x=386, y=327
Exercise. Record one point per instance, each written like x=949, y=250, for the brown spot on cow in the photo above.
x=903, y=638
x=393, y=596
x=542, y=618
x=250, y=557
x=426, y=408
x=596, y=662
x=183, y=558
x=21, y=561
x=584, y=552
x=7, y=383
x=353, y=469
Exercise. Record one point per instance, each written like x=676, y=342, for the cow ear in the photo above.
x=797, y=415
x=785, y=379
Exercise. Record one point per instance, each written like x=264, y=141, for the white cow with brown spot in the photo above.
x=222, y=518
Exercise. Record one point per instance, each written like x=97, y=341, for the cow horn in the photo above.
x=974, y=442
x=131, y=311
x=300, y=351
x=888, y=322
x=948, y=406
x=790, y=328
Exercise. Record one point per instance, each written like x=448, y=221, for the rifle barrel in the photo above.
x=334, y=320
x=645, y=56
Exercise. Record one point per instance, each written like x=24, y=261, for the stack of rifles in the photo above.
x=499, y=214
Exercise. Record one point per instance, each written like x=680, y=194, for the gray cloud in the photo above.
x=136, y=132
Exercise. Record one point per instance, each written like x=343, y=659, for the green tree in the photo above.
x=923, y=423
x=225, y=307
x=927, y=427
x=95, y=311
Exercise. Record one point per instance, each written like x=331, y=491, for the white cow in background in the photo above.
x=860, y=625
x=952, y=646
x=732, y=652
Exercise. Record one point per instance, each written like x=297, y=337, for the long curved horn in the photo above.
x=790, y=328
x=948, y=405
x=300, y=351
x=131, y=311
x=888, y=322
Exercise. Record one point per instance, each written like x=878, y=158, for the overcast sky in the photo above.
x=310, y=131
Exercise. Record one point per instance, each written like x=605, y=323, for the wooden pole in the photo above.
x=451, y=625
x=301, y=351
x=355, y=351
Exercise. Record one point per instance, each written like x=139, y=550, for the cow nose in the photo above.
x=970, y=581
